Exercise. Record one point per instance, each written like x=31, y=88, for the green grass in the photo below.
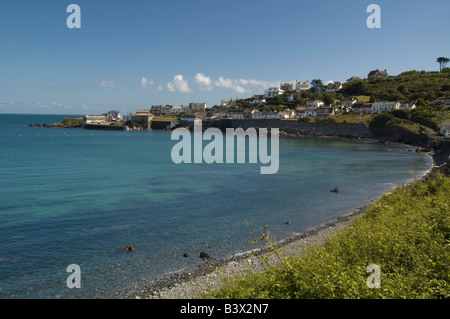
x=363, y=98
x=406, y=233
x=72, y=121
x=164, y=119
x=353, y=118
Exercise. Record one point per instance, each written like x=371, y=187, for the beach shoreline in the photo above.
x=193, y=281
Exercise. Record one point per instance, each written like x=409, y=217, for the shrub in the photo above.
x=406, y=233
x=380, y=120
x=401, y=114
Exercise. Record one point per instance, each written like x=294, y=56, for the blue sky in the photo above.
x=129, y=55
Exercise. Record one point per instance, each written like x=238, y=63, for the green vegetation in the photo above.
x=72, y=121
x=164, y=119
x=327, y=119
x=406, y=233
x=381, y=120
x=408, y=87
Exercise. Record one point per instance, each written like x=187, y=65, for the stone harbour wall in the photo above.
x=351, y=130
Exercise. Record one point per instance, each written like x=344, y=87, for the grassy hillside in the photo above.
x=407, y=86
x=406, y=233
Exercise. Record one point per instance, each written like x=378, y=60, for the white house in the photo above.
x=221, y=114
x=379, y=107
x=258, y=99
x=266, y=116
x=315, y=103
x=305, y=112
x=161, y=109
x=94, y=119
x=325, y=111
x=301, y=86
x=236, y=115
x=272, y=92
x=177, y=109
x=445, y=128
x=113, y=116
x=227, y=104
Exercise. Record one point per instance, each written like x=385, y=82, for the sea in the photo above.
x=70, y=196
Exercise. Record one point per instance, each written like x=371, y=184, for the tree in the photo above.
x=328, y=99
x=442, y=62
x=316, y=83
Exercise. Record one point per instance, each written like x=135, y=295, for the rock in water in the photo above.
x=128, y=248
x=335, y=190
x=205, y=256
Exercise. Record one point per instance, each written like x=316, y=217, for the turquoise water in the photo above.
x=74, y=196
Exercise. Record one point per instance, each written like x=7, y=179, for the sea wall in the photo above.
x=351, y=130
x=401, y=135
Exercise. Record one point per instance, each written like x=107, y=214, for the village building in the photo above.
x=113, y=116
x=347, y=102
x=315, y=103
x=142, y=117
x=272, y=92
x=357, y=106
x=228, y=104
x=366, y=108
x=378, y=74
x=257, y=99
x=379, y=107
x=305, y=112
x=236, y=115
x=177, y=109
x=94, y=119
x=301, y=86
x=324, y=111
x=266, y=116
x=197, y=107
x=159, y=110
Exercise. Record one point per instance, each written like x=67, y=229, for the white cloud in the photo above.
x=107, y=84
x=145, y=83
x=252, y=82
x=230, y=83
x=203, y=81
x=54, y=103
x=178, y=84
x=160, y=87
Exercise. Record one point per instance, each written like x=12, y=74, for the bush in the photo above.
x=401, y=114
x=72, y=121
x=425, y=119
x=380, y=120
x=406, y=233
